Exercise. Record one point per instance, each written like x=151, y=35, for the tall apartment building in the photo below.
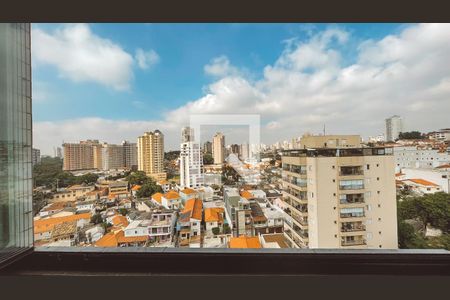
x=244, y=152
x=394, y=125
x=207, y=147
x=151, y=154
x=130, y=160
x=112, y=157
x=340, y=197
x=57, y=152
x=238, y=212
x=80, y=156
x=218, y=148
x=98, y=156
x=415, y=157
x=191, y=161
x=35, y=156
x=187, y=134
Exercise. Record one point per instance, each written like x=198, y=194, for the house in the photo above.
x=71, y=193
x=245, y=242
x=422, y=186
x=274, y=240
x=54, y=208
x=93, y=234
x=135, y=189
x=119, y=221
x=125, y=203
x=161, y=226
x=137, y=228
x=206, y=194
x=165, y=185
x=258, y=219
x=189, y=221
x=117, y=187
x=86, y=206
x=43, y=228
x=157, y=198
x=214, y=218
x=171, y=200
x=146, y=205
x=118, y=239
x=186, y=194
x=96, y=194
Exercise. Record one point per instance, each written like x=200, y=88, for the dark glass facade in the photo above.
x=16, y=217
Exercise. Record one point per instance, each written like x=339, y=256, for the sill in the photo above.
x=179, y=261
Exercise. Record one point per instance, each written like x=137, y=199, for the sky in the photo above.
x=113, y=82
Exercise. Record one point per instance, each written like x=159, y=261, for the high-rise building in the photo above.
x=16, y=182
x=35, y=156
x=112, y=157
x=191, y=163
x=394, y=125
x=218, y=148
x=82, y=155
x=187, y=134
x=129, y=155
x=98, y=155
x=234, y=149
x=340, y=197
x=244, y=151
x=151, y=154
x=57, y=151
x=207, y=147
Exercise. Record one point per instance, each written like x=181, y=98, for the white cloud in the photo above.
x=146, y=59
x=82, y=56
x=220, y=67
x=309, y=86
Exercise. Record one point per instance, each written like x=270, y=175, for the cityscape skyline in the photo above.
x=297, y=77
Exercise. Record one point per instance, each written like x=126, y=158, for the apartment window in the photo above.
x=333, y=167
x=368, y=167
x=378, y=192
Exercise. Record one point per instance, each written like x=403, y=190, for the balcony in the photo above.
x=351, y=171
x=352, y=227
x=358, y=242
x=352, y=187
x=351, y=198
x=352, y=215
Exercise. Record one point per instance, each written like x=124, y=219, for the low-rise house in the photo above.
x=165, y=185
x=186, y=194
x=88, y=206
x=135, y=189
x=275, y=219
x=146, y=205
x=94, y=233
x=117, y=187
x=66, y=231
x=274, y=241
x=96, y=194
x=43, y=228
x=189, y=221
x=206, y=194
x=161, y=226
x=214, y=218
x=71, y=193
x=171, y=200
x=54, y=208
x=118, y=239
x=157, y=198
x=119, y=221
x=125, y=203
x=245, y=242
x=422, y=186
x=258, y=219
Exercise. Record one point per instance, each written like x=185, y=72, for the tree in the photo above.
x=208, y=159
x=408, y=238
x=411, y=135
x=148, y=189
x=123, y=211
x=138, y=177
x=215, y=230
x=86, y=178
x=226, y=229
x=96, y=219
x=172, y=155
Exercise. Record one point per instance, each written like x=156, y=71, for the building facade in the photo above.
x=191, y=165
x=16, y=216
x=415, y=157
x=218, y=148
x=394, y=125
x=130, y=155
x=36, y=156
x=112, y=157
x=340, y=198
x=151, y=154
x=81, y=156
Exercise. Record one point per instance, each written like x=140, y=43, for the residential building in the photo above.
x=244, y=151
x=189, y=223
x=340, y=198
x=218, y=148
x=274, y=241
x=214, y=218
x=43, y=228
x=164, y=184
x=441, y=135
x=171, y=200
x=151, y=154
x=439, y=176
x=71, y=193
x=58, y=152
x=421, y=186
x=130, y=156
x=419, y=157
x=207, y=147
x=35, y=156
x=394, y=125
x=187, y=194
x=308, y=141
x=112, y=157
x=191, y=161
x=237, y=212
x=80, y=156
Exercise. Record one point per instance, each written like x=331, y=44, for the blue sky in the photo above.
x=152, y=93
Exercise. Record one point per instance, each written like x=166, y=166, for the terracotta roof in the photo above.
x=245, y=242
x=247, y=195
x=162, y=182
x=171, y=195
x=58, y=205
x=136, y=187
x=188, y=191
x=44, y=225
x=121, y=238
x=108, y=240
x=120, y=221
x=64, y=229
x=214, y=214
x=422, y=182
x=194, y=206
x=399, y=174
x=157, y=197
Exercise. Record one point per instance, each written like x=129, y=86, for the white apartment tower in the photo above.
x=394, y=125
x=340, y=197
x=112, y=157
x=191, y=160
x=151, y=154
x=218, y=148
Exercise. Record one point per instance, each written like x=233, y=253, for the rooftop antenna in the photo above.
x=323, y=129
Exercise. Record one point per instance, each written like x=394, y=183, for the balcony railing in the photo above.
x=353, y=242
x=352, y=201
x=353, y=228
x=352, y=215
x=352, y=187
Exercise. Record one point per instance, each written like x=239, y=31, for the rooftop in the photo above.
x=245, y=242
x=277, y=238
